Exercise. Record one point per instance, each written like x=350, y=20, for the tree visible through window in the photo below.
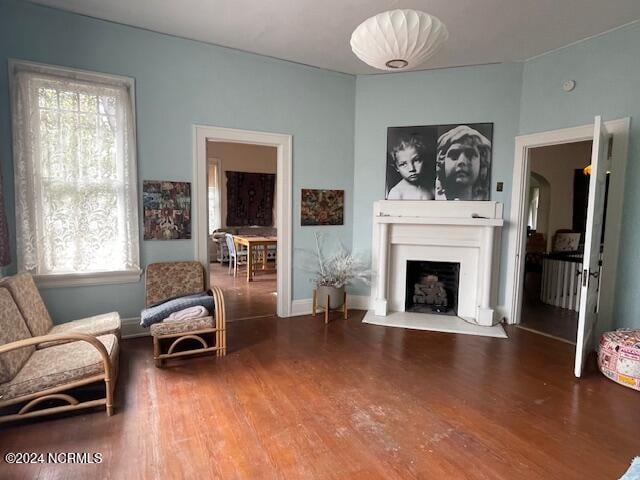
x=75, y=172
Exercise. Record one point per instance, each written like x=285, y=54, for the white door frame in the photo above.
x=284, y=188
x=619, y=129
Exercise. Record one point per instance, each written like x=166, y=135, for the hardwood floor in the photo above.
x=547, y=319
x=297, y=399
x=245, y=299
x=557, y=322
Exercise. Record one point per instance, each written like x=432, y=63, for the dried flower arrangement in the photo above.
x=336, y=269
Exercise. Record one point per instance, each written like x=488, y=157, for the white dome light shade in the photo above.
x=398, y=39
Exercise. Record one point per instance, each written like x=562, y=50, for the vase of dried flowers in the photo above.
x=333, y=271
x=336, y=296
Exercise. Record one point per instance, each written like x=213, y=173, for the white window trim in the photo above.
x=130, y=81
x=63, y=280
x=89, y=278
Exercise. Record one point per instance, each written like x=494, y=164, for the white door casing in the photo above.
x=516, y=225
x=284, y=188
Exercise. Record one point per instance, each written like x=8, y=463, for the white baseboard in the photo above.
x=501, y=313
x=131, y=328
x=301, y=307
x=363, y=302
x=305, y=305
x=359, y=302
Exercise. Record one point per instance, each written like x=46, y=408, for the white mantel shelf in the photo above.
x=477, y=222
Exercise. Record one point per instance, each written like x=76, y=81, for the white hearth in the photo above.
x=434, y=323
x=435, y=231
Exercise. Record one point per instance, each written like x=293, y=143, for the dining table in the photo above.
x=257, y=246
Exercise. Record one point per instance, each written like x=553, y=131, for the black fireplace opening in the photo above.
x=432, y=287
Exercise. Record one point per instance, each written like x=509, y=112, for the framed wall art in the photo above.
x=322, y=207
x=439, y=162
x=167, y=210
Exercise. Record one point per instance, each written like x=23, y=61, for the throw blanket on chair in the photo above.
x=188, y=314
x=156, y=314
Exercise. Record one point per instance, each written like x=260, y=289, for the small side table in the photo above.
x=325, y=308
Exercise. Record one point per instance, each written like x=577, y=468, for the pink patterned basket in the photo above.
x=619, y=357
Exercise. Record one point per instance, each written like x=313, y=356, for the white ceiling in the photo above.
x=317, y=32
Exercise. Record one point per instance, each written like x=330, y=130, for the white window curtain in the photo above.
x=533, y=208
x=75, y=171
x=214, y=195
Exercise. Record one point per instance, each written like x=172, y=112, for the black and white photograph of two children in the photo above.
x=439, y=162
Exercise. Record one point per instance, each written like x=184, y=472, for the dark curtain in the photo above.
x=250, y=199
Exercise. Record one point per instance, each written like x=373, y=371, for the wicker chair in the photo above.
x=35, y=314
x=37, y=380
x=167, y=280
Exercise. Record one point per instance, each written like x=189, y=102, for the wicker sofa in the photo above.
x=43, y=368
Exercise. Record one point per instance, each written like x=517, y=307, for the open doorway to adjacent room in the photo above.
x=563, y=250
x=242, y=242
x=556, y=220
x=243, y=220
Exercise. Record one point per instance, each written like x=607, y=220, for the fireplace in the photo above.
x=459, y=233
x=432, y=287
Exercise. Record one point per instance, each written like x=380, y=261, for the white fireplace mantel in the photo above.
x=477, y=222
x=455, y=231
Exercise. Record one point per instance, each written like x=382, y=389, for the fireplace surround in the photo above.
x=457, y=232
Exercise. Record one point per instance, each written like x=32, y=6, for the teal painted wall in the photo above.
x=488, y=93
x=338, y=123
x=607, y=72
x=180, y=83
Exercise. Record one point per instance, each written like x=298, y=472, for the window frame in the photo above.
x=77, y=279
x=218, y=186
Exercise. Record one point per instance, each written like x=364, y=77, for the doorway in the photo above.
x=244, y=241
x=559, y=177
x=607, y=156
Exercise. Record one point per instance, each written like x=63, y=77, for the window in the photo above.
x=75, y=173
x=213, y=194
x=534, y=202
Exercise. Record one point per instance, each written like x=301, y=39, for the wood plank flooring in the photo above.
x=555, y=321
x=297, y=399
x=548, y=319
x=245, y=299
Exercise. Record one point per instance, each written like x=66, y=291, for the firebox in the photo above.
x=432, y=287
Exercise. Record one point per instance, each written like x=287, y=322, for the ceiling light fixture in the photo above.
x=398, y=39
